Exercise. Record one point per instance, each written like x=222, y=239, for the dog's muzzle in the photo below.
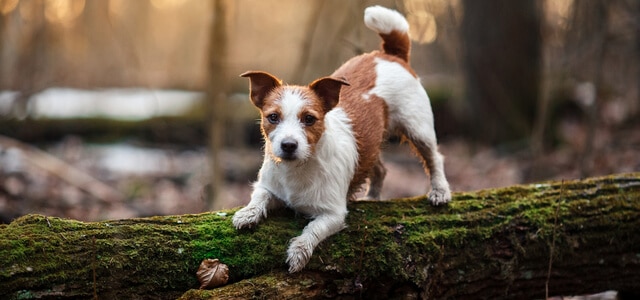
x=289, y=147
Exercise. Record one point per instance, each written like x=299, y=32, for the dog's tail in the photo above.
x=392, y=27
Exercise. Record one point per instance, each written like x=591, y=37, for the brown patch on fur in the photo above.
x=316, y=108
x=261, y=84
x=368, y=116
x=328, y=90
x=269, y=107
x=397, y=43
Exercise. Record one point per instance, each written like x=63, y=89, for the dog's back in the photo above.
x=370, y=98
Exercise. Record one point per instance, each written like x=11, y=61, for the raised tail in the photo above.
x=392, y=27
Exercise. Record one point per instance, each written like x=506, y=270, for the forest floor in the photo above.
x=170, y=180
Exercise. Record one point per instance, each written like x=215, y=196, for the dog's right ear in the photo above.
x=261, y=84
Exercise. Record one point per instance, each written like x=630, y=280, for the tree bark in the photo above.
x=501, y=56
x=507, y=243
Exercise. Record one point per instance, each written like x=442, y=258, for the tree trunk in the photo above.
x=217, y=96
x=508, y=243
x=502, y=54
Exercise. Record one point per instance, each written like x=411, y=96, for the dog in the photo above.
x=322, y=141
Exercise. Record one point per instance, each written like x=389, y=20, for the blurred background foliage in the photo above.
x=144, y=98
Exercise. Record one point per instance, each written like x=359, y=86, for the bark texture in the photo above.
x=501, y=54
x=506, y=243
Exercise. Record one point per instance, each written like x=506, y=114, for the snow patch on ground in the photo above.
x=117, y=103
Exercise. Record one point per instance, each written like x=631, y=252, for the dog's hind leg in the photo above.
x=434, y=162
x=376, y=178
x=410, y=113
x=427, y=149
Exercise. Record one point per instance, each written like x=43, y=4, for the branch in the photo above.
x=64, y=171
x=487, y=244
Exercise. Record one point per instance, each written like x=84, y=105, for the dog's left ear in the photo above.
x=328, y=89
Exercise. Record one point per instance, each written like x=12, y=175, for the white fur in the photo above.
x=316, y=186
x=410, y=112
x=383, y=20
x=407, y=100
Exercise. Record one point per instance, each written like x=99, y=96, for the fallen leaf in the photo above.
x=212, y=273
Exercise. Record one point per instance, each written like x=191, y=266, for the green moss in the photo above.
x=58, y=250
x=217, y=238
x=405, y=239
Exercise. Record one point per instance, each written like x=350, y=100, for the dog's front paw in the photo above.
x=368, y=198
x=298, y=254
x=247, y=217
x=439, y=196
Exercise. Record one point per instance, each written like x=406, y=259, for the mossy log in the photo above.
x=576, y=236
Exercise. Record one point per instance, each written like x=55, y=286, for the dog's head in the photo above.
x=292, y=116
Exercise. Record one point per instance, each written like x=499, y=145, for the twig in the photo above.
x=553, y=240
x=93, y=267
x=364, y=239
x=64, y=171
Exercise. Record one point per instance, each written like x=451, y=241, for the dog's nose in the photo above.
x=289, y=146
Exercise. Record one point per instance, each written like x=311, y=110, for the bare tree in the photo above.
x=501, y=48
x=312, y=23
x=216, y=94
x=3, y=20
x=588, y=35
x=31, y=73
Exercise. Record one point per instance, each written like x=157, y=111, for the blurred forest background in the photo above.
x=117, y=109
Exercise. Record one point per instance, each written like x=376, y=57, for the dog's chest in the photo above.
x=302, y=187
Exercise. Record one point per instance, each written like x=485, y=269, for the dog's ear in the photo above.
x=261, y=84
x=328, y=89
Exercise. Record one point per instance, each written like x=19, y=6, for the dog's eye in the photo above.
x=273, y=118
x=309, y=120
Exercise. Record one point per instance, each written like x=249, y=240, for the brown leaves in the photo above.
x=212, y=273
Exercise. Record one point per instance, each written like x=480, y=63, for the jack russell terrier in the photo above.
x=322, y=141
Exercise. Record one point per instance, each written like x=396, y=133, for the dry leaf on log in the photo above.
x=212, y=273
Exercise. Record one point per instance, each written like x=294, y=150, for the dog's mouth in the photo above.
x=288, y=159
x=288, y=156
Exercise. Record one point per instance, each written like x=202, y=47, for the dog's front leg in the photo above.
x=301, y=247
x=255, y=211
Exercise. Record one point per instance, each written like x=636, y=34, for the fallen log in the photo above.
x=519, y=242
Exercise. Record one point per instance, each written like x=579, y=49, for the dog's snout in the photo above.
x=289, y=146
